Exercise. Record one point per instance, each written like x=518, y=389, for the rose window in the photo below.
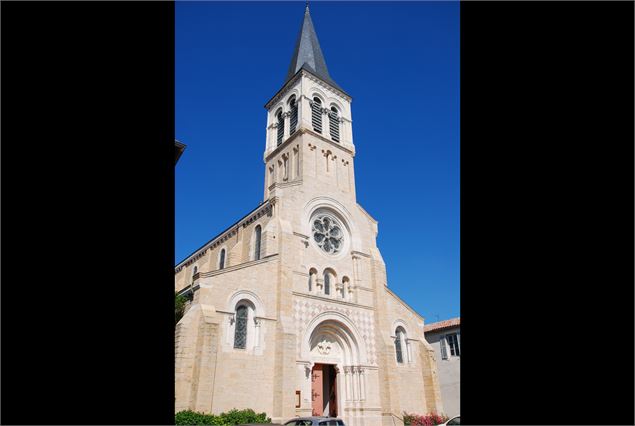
x=328, y=234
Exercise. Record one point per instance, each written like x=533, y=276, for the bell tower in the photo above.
x=309, y=133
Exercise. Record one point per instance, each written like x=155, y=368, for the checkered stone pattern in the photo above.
x=304, y=311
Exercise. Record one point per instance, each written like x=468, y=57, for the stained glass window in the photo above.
x=327, y=233
x=327, y=283
x=240, y=334
x=398, y=347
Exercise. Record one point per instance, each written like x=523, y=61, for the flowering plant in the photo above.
x=430, y=419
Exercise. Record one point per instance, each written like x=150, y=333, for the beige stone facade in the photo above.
x=305, y=268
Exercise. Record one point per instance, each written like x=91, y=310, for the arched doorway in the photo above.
x=332, y=346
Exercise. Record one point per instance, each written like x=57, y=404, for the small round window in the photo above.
x=328, y=233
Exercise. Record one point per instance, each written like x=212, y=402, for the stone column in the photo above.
x=362, y=384
x=257, y=324
x=347, y=380
x=355, y=383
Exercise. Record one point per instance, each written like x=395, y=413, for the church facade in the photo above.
x=290, y=310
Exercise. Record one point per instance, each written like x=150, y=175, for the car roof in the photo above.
x=315, y=418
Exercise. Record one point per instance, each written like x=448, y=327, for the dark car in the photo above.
x=315, y=421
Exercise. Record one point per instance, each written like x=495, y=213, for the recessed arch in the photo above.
x=347, y=331
x=246, y=295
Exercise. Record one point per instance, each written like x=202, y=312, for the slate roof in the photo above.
x=308, y=54
x=453, y=322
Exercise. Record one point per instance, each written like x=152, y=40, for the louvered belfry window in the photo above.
x=293, y=123
x=316, y=114
x=240, y=334
x=334, y=124
x=280, y=127
x=398, y=347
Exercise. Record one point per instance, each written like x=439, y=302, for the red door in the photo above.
x=316, y=390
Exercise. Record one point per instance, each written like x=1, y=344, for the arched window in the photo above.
x=257, y=236
x=398, y=344
x=334, y=124
x=221, y=259
x=312, y=277
x=293, y=123
x=329, y=278
x=316, y=114
x=240, y=333
x=280, y=126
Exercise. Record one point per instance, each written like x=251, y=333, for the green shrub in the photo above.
x=179, y=307
x=230, y=418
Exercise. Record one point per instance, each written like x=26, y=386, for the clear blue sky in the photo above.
x=399, y=62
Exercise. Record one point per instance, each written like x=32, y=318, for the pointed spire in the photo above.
x=307, y=53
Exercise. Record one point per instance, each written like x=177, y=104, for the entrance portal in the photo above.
x=324, y=390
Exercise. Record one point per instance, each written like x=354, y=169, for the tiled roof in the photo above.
x=442, y=324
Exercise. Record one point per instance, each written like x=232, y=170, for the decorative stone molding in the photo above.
x=264, y=208
x=324, y=347
x=324, y=85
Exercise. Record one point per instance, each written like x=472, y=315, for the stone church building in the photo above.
x=290, y=310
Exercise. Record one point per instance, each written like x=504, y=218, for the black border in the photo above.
x=88, y=212
x=547, y=212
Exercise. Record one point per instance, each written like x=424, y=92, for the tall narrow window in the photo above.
x=280, y=126
x=258, y=233
x=398, y=346
x=327, y=282
x=312, y=277
x=316, y=114
x=240, y=334
x=334, y=124
x=221, y=259
x=293, y=123
x=194, y=272
x=453, y=342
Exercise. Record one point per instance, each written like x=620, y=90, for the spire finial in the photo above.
x=306, y=9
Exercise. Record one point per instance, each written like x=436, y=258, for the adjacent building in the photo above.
x=291, y=312
x=445, y=338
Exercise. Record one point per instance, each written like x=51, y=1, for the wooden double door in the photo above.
x=324, y=390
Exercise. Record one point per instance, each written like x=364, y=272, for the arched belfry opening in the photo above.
x=336, y=355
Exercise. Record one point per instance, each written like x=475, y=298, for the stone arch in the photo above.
x=319, y=93
x=340, y=211
x=342, y=330
x=248, y=295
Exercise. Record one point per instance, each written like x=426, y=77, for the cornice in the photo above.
x=302, y=72
x=326, y=85
x=404, y=303
x=283, y=90
x=237, y=267
x=327, y=299
x=264, y=208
